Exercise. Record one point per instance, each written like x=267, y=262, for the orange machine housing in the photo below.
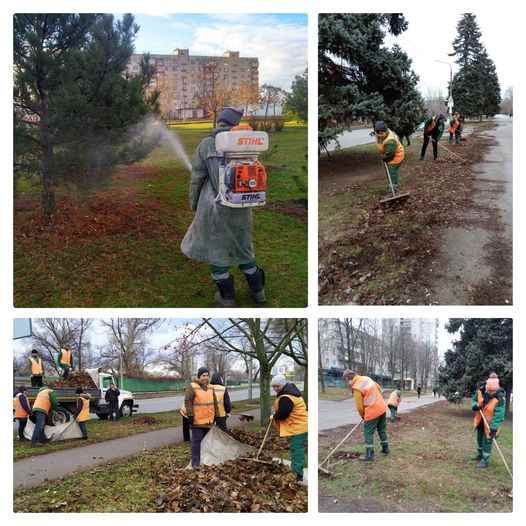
x=247, y=177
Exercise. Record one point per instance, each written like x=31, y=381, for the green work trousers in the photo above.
x=483, y=443
x=394, y=410
x=297, y=452
x=394, y=170
x=378, y=424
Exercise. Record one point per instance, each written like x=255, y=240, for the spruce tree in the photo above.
x=359, y=77
x=475, y=88
x=485, y=346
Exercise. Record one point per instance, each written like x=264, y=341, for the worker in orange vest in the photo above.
x=391, y=150
x=82, y=411
x=201, y=410
x=22, y=410
x=455, y=128
x=393, y=402
x=37, y=369
x=291, y=420
x=65, y=361
x=489, y=398
x=44, y=403
x=372, y=408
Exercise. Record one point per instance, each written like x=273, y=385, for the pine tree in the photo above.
x=475, y=88
x=359, y=77
x=74, y=106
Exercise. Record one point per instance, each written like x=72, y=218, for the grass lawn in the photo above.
x=119, y=245
x=384, y=255
x=101, y=430
x=428, y=470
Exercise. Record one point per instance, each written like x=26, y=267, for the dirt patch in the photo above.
x=388, y=255
x=144, y=420
x=296, y=208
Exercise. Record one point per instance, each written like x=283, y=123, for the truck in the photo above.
x=67, y=398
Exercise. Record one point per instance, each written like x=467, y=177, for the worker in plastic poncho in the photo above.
x=490, y=400
x=220, y=235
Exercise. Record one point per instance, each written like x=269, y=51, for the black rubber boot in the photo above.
x=225, y=295
x=385, y=449
x=369, y=455
x=256, y=282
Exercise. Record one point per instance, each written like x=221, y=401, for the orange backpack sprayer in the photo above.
x=242, y=178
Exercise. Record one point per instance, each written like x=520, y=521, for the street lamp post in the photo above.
x=450, y=98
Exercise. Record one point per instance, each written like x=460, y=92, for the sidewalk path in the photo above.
x=333, y=414
x=36, y=470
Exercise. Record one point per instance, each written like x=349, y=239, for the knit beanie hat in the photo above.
x=230, y=116
x=278, y=380
x=201, y=371
x=379, y=126
x=492, y=383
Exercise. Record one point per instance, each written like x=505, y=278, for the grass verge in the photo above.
x=428, y=470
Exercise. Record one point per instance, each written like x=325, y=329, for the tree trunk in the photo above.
x=320, y=365
x=508, y=401
x=48, y=190
x=264, y=394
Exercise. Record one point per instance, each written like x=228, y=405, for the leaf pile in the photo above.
x=273, y=442
x=235, y=486
x=75, y=379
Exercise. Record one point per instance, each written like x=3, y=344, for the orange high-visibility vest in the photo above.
x=42, y=401
x=20, y=412
x=84, y=412
x=453, y=125
x=203, y=405
x=65, y=357
x=431, y=126
x=373, y=401
x=36, y=366
x=399, y=154
x=297, y=422
x=488, y=411
x=219, y=391
x=394, y=399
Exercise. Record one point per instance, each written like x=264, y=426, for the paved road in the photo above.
x=472, y=254
x=362, y=136
x=36, y=470
x=171, y=403
x=333, y=414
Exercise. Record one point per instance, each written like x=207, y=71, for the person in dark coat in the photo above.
x=224, y=406
x=22, y=410
x=112, y=399
x=433, y=130
x=419, y=390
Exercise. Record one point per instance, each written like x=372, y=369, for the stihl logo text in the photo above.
x=250, y=141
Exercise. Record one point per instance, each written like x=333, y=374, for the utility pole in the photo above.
x=450, y=104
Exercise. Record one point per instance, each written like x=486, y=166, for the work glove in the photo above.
x=271, y=417
x=493, y=433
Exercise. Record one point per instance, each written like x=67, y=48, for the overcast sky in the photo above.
x=279, y=41
x=430, y=35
